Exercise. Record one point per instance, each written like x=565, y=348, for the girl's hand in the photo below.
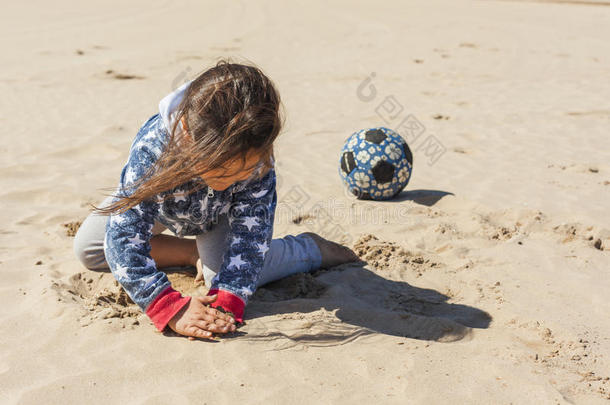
x=197, y=320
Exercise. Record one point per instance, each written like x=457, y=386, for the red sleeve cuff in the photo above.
x=165, y=306
x=229, y=302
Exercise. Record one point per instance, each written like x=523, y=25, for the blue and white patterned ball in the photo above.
x=376, y=163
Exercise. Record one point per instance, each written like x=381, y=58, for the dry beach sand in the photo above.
x=487, y=278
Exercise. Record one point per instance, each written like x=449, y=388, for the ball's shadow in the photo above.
x=365, y=303
x=422, y=197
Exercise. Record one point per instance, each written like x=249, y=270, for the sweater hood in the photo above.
x=169, y=104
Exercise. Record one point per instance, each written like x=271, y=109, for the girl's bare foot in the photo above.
x=199, y=267
x=333, y=254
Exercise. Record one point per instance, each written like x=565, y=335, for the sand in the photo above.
x=486, y=279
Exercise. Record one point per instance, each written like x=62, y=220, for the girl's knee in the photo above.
x=91, y=259
x=89, y=251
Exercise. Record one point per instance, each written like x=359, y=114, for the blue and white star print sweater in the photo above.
x=250, y=206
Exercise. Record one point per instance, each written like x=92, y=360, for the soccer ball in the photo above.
x=375, y=164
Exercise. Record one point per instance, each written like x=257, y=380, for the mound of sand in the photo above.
x=101, y=297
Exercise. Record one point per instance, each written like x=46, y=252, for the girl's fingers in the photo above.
x=213, y=311
x=208, y=320
x=224, y=326
x=222, y=323
x=219, y=329
x=197, y=332
x=202, y=325
x=217, y=314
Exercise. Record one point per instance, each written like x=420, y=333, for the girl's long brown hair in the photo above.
x=229, y=110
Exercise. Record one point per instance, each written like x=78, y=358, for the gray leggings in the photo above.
x=286, y=256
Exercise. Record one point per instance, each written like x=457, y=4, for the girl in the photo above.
x=204, y=166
